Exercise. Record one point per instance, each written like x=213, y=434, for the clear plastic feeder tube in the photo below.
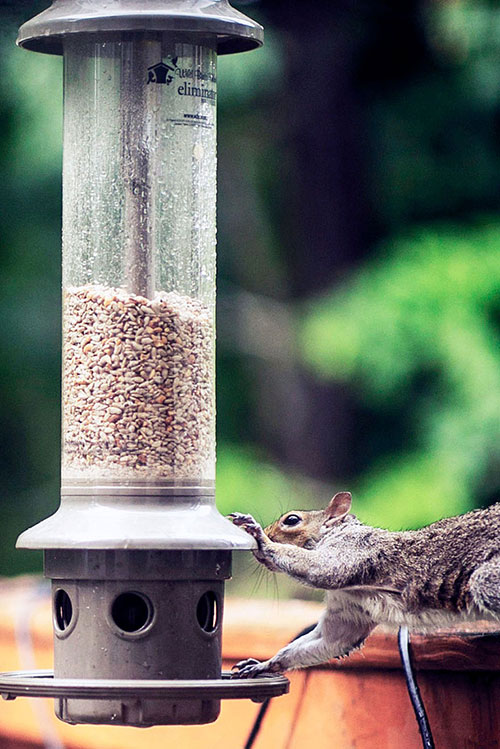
x=139, y=184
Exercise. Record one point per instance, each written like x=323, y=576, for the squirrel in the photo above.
x=445, y=572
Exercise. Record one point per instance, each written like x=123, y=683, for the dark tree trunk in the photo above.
x=335, y=52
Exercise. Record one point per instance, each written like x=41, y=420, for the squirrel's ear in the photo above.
x=338, y=507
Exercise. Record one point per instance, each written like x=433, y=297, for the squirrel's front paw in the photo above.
x=251, y=667
x=248, y=523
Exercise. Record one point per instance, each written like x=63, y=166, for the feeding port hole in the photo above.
x=131, y=612
x=63, y=610
x=207, y=612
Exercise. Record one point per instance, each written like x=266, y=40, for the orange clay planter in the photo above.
x=360, y=702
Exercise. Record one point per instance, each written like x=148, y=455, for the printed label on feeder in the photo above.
x=161, y=72
x=190, y=86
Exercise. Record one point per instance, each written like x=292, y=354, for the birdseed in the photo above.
x=138, y=386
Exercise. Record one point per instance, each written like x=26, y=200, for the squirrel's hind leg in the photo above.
x=484, y=588
x=286, y=658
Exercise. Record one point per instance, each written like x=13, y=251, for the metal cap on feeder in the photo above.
x=231, y=30
x=137, y=551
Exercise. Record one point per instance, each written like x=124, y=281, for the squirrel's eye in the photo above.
x=291, y=520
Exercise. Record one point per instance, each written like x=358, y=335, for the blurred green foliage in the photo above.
x=247, y=479
x=417, y=330
x=30, y=267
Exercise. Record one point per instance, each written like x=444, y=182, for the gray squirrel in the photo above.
x=447, y=572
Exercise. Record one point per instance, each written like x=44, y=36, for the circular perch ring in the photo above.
x=43, y=684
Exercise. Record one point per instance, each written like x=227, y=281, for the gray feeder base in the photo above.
x=141, y=713
x=137, y=615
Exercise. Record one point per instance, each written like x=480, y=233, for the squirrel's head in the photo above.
x=305, y=527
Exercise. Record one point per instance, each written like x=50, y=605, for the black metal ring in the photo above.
x=43, y=684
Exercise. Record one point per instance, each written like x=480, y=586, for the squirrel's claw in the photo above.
x=245, y=662
x=240, y=518
x=249, y=669
x=247, y=522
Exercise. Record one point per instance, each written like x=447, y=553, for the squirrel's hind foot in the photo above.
x=250, y=668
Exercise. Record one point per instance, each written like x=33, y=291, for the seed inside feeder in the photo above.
x=137, y=386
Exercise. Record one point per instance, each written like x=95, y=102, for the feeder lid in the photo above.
x=233, y=31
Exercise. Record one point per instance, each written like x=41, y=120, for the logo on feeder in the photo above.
x=162, y=72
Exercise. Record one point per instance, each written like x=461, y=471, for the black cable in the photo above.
x=257, y=724
x=413, y=690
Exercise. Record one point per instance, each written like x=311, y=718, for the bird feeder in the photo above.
x=137, y=552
